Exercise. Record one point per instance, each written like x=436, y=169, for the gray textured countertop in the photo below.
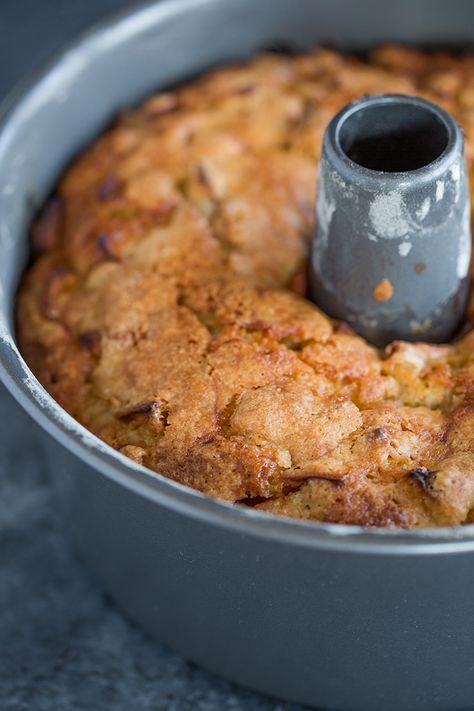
x=63, y=646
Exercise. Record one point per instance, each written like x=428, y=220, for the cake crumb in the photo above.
x=383, y=291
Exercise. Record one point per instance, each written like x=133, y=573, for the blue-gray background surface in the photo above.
x=63, y=646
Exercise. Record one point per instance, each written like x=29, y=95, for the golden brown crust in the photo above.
x=162, y=310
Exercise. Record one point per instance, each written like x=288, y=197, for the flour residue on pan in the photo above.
x=389, y=216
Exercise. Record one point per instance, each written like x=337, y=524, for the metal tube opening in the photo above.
x=393, y=137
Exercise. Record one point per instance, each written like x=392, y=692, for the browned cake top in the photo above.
x=164, y=309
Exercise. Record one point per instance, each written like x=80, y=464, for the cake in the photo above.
x=165, y=304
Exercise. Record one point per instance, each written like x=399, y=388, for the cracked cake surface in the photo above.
x=165, y=310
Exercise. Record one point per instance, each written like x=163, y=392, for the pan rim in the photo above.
x=23, y=385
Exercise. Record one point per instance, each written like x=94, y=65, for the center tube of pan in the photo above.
x=392, y=246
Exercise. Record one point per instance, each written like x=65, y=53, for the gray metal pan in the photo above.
x=327, y=615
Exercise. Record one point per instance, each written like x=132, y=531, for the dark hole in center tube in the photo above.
x=393, y=138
